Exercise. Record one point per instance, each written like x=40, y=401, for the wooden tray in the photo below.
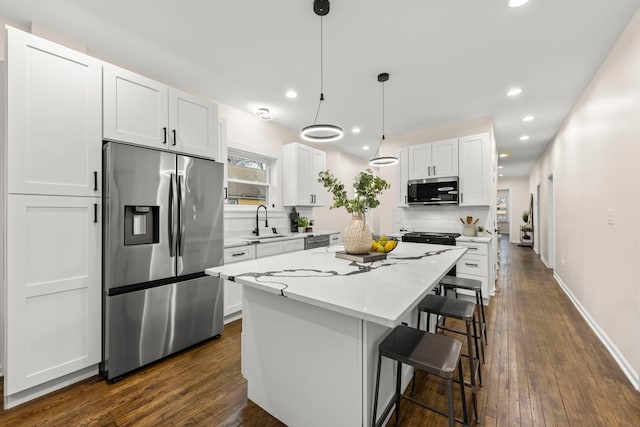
x=370, y=257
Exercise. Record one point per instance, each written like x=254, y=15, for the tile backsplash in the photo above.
x=437, y=218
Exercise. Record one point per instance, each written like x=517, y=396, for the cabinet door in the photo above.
x=193, y=125
x=296, y=185
x=419, y=161
x=475, y=173
x=53, y=288
x=135, y=108
x=403, y=175
x=444, y=158
x=54, y=120
x=232, y=290
x=319, y=159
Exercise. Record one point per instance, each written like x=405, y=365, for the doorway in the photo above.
x=550, y=224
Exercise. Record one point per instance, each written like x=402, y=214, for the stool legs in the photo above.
x=474, y=399
x=375, y=396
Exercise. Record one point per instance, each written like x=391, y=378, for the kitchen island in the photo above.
x=312, y=323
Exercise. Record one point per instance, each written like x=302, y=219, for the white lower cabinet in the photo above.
x=53, y=288
x=233, y=291
x=476, y=264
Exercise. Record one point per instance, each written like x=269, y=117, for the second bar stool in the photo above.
x=461, y=310
x=474, y=285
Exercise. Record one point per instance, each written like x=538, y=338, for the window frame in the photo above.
x=269, y=184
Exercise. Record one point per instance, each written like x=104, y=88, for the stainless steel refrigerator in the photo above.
x=163, y=225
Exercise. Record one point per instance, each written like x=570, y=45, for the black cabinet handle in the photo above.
x=461, y=198
x=164, y=138
x=239, y=254
x=95, y=180
x=226, y=193
x=95, y=213
x=174, y=136
x=470, y=264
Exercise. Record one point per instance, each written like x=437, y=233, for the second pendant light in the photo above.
x=377, y=159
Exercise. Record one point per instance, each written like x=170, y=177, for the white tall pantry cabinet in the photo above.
x=51, y=192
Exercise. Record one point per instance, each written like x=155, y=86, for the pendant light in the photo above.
x=377, y=159
x=321, y=132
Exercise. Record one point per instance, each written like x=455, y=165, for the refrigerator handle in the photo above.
x=181, y=213
x=171, y=221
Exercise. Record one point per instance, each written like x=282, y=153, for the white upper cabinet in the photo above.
x=475, y=170
x=403, y=175
x=54, y=138
x=146, y=112
x=434, y=159
x=135, y=108
x=194, y=125
x=301, y=165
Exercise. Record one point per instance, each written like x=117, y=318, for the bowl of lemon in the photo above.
x=384, y=244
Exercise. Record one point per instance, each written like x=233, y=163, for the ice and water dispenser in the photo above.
x=141, y=225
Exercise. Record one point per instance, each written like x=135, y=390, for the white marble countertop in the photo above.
x=250, y=240
x=477, y=239
x=381, y=291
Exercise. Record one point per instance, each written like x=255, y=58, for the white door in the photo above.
x=403, y=175
x=53, y=288
x=319, y=161
x=303, y=167
x=193, y=125
x=419, y=161
x=475, y=173
x=444, y=158
x=135, y=108
x=54, y=118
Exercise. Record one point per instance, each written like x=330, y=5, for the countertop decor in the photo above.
x=367, y=187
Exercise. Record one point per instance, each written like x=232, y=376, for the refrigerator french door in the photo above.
x=163, y=225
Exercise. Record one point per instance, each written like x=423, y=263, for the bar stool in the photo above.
x=462, y=310
x=453, y=282
x=435, y=354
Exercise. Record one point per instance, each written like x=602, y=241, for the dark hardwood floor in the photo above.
x=544, y=367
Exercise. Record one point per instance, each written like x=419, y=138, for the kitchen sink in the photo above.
x=266, y=237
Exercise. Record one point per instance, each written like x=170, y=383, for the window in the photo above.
x=248, y=178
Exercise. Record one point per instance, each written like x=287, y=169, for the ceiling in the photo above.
x=449, y=61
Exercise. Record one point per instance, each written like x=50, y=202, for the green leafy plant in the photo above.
x=525, y=217
x=302, y=221
x=480, y=229
x=366, y=185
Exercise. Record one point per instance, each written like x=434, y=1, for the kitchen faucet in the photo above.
x=266, y=221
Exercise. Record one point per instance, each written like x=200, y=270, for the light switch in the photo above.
x=610, y=217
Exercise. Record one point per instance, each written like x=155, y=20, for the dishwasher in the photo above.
x=311, y=242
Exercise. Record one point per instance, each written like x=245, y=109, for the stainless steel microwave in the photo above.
x=435, y=191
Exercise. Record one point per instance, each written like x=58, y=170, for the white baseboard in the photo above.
x=626, y=367
x=48, y=387
x=545, y=262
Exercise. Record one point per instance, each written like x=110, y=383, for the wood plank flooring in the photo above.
x=544, y=367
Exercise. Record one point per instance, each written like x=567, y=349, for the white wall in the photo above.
x=518, y=202
x=594, y=163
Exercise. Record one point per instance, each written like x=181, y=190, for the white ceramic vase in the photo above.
x=357, y=236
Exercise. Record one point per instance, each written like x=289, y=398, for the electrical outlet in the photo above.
x=610, y=217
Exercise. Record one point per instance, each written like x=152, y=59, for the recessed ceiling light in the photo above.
x=500, y=174
x=264, y=114
x=524, y=138
x=514, y=91
x=517, y=3
x=355, y=130
x=528, y=118
x=291, y=94
x=500, y=167
x=365, y=147
x=505, y=154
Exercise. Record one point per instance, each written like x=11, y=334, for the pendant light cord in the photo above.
x=380, y=143
x=315, y=120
